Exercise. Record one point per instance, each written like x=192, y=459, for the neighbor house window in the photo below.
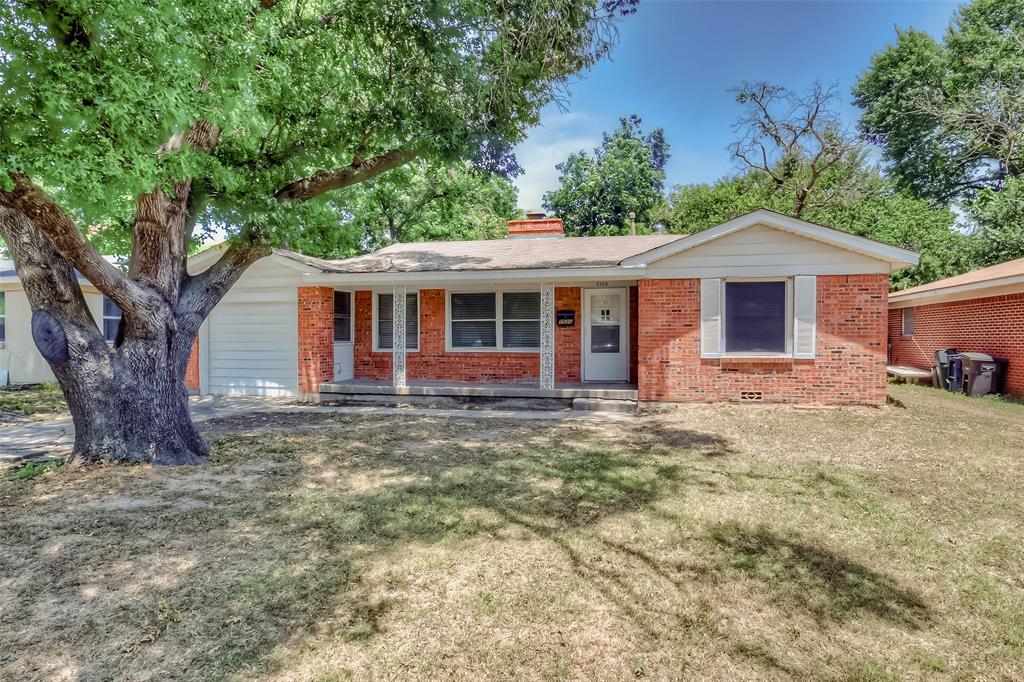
x=497, y=321
x=756, y=320
x=111, y=319
x=908, y=322
x=3, y=317
x=385, y=321
x=342, y=316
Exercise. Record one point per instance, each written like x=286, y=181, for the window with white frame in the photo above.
x=342, y=316
x=111, y=319
x=908, y=322
x=384, y=304
x=756, y=317
x=508, y=320
x=3, y=317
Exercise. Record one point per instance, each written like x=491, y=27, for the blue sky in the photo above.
x=676, y=62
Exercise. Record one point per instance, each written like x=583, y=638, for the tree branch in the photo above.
x=62, y=233
x=202, y=292
x=325, y=181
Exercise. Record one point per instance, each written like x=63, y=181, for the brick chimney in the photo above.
x=537, y=224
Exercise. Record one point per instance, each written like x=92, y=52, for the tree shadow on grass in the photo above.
x=199, y=573
x=813, y=578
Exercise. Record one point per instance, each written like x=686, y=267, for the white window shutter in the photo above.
x=711, y=318
x=805, y=296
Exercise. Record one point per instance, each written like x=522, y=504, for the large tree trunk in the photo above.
x=131, y=405
x=128, y=401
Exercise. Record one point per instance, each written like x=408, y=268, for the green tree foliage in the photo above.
x=874, y=209
x=418, y=202
x=625, y=174
x=246, y=115
x=949, y=118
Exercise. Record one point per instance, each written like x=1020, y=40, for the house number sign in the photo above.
x=566, y=318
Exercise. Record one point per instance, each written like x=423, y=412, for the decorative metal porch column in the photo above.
x=398, y=336
x=547, y=335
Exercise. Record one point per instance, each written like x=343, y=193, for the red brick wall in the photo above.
x=431, y=362
x=993, y=325
x=316, y=338
x=569, y=340
x=192, y=369
x=849, y=367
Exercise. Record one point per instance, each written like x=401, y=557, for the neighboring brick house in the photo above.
x=980, y=311
x=763, y=307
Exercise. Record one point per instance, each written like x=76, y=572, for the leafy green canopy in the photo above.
x=95, y=92
x=418, y=202
x=949, y=117
x=625, y=174
x=867, y=206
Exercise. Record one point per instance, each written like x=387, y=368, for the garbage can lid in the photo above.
x=976, y=356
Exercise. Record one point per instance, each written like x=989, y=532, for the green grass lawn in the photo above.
x=728, y=542
x=31, y=400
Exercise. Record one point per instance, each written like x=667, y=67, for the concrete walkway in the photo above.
x=22, y=441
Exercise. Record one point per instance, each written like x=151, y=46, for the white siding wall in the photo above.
x=762, y=251
x=253, y=335
x=18, y=354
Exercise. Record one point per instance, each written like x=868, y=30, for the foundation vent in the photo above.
x=751, y=396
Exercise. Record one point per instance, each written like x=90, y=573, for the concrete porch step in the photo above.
x=604, y=405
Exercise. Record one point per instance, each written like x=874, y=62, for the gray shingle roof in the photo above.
x=494, y=254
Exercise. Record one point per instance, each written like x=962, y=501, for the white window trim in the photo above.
x=104, y=317
x=351, y=315
x=790, y=320
x=373, y=318
x=499, y=321
x=903, y=321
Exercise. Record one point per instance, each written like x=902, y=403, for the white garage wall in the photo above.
x=251, y=339
x=18, y=354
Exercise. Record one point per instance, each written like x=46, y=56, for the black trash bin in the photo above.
x=1000, y=378
x=979, y=373
x=942, y=365
x=955, y=376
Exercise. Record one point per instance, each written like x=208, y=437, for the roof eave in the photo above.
x=990, y=287
x=525, y=274
x=895, y=256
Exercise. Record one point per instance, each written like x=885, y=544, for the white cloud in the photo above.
x=547, y=146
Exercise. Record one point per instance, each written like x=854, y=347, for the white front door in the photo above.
x=344, y=330
x=606, y=335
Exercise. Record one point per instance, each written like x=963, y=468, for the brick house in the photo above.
x=763, y=307
x=980, y=311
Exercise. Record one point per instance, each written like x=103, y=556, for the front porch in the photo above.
x=615, y=397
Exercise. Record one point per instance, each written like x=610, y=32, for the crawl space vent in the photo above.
x=751, y=396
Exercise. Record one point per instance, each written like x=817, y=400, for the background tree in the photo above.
x=418, y=202
x=794, y=139
x=625, y=174
x=795, y=159
x=240, y=113
x=949, y=118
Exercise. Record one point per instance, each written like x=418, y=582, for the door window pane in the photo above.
x=755, y=317
x=604, y=308
x=342, y=316
x=604, y=338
